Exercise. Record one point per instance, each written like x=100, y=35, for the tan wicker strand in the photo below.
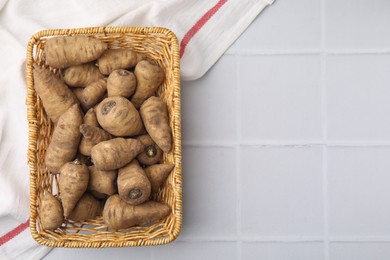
x=157, y=43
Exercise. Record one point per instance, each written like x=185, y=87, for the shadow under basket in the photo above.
x=157, y=43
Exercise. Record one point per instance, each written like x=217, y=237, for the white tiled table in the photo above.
x=286, y=150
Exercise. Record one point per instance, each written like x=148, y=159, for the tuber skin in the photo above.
x=78, y=92
x=133, y=185
x=94, y=93
x=55, y=95
x=118, y=214
x=114, y=59
x=90, y=118
x=73, y=183
x=154, y=114
x=92, y=135
x=157, y=174
x=65, y=140
x=121, y=83
x=66, y=51
x=86, y=208
x=118, y=116
x=82, y=75
x=149, y=77
x=115, y=153
x=51, y=212
x=102, y=183
x=152, y=153
x=86, y=145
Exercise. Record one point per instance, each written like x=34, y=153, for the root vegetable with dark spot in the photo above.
x=119, y=117
x=133, y=185
x=121, y=83
x=152, y=153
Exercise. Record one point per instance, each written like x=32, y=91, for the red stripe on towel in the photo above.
x=199, y=24
x=14, y=232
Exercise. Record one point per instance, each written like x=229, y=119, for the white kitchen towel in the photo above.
x=205, y=30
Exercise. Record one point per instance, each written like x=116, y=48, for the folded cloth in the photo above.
x=205, y=29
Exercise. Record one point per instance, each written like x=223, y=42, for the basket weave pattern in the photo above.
x=157, y=43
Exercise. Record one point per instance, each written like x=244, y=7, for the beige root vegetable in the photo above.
x=118, y=116
x=152, y=153
x=82, y=75
x=102, y=183
x=78, y=92
x=51, y=212
x=118, y=214
x=140, y=56
x=66, y=51
x=92, y=135
x=65, y=140
x=90, y=118
x=149, y=77
x=154, y=114
x=121, y=83
x=157, y=174
x=114, y=59
x=115, y=153
x=86, y=208
x=133, y=184
x=56, y=97
x=94, y=93
x=73, y=183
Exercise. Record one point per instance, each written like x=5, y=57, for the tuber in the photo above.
x=149, y=78
x=157, y=174
x=65, y=140
x=51, y=212
x=92, y=135
x=114, y=59
x=121, y=83
x=86, y=208
x=118, y=214
x=102, y=183
x=115, y=153
x=82, y=75
x=94, y=93
x=133, y=184
x=55, y=95
x=66, y=51
x=118, y=116
x=73, y=183
x=152, y=153
x=154, y=114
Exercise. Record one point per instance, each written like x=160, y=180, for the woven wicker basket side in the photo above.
x=157, y=43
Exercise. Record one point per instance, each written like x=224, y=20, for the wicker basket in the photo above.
x=157, y=43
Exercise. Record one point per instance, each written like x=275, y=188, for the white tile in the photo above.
x=358, y=97
x=285, y=25
x=209, y=104
x=357, y=24
x=358, y=188
x=281, y=191
x=280, y=97
x=283, y=251
x=359, y=251
x=209, y=193
x=196, y=251
x=139, y=253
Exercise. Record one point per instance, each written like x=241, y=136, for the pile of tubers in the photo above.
x=110, y=133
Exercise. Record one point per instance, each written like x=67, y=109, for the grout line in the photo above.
x=289, y=239
x=323, y=50
x=324, y=116
x=238, y=156
x=297, y=143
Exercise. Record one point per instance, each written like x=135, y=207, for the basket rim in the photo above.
x=33, y=132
